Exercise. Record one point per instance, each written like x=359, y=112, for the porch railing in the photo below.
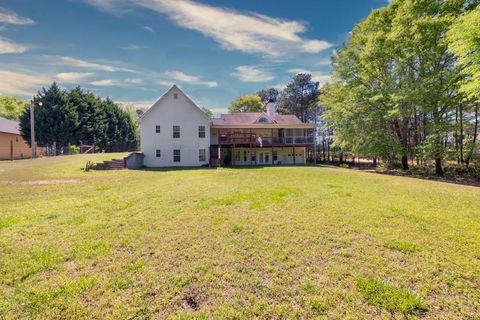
x=251, y=138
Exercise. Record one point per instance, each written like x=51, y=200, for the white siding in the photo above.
x=168, y=112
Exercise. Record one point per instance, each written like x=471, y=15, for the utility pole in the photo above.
x=315, y=139
x=32, y=130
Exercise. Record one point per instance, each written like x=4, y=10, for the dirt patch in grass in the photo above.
x=45, y=182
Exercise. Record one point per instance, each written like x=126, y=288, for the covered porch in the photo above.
x=230, y=155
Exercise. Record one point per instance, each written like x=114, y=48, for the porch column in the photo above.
x=272, y=145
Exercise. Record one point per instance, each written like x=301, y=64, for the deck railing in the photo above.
x=251, y=138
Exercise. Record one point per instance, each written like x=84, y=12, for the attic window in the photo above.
x=263, y=120
x=175, y=96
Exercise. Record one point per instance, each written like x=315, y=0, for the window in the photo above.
x=201, y=131
x=175, y=96
x=244, y=155
x=158, y=153
x=237, y=155
x=16, y=139
x=275, y=155
x=202, y=155
x=263, y=120
x=176, y=131
x=176, y=155
x=157, y=128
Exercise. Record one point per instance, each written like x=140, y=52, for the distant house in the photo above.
x=175, y=132
x=12, y=145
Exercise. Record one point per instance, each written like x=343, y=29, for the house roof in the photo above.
x=251, y=119
x=174, y=87
x=9, y=126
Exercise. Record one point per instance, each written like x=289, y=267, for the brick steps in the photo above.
x=114, y=164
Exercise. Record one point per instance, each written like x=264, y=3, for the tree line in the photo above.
x=299, y=97
x=406, y=84
x=76, y=117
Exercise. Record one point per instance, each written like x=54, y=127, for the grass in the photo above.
x=279, y=242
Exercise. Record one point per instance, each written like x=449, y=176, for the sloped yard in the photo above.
x=281, y=242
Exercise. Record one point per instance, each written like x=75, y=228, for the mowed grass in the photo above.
x=276, y=243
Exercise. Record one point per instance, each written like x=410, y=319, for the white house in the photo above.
x=175, y=132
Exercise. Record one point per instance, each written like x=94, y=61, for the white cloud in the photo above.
x=252, y=74
x=73, y=77
x=127, y=83
x=317, y=76
x=233, y=30
x=150, y=29
x=79, y=63
x=180, y=76
x=165, y=83
x=135, y=81
x=21, y=84
x=10, y=17
x=133, y=47
x=7, y=46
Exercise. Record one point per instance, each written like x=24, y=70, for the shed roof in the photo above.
x=9, y=126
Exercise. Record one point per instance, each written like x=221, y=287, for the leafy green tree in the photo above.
x=401, y=83
x=11, y=107
x=247, y=103
x=464, y=41
x=300, y=97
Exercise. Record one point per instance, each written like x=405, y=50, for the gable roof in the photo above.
x=9, y=126
x=162, y=97
x=251, y=118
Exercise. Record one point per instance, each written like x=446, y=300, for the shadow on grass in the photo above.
x=163, y=169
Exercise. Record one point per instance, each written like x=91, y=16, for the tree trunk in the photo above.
x=438, y=167
x=404, y=162
x=461, y=134
x=475, y=134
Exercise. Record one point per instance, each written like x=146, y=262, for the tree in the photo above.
x=464, y=40
x=56, y=120
x=77, y=117
x=401, y=83
x=11, y=108
x=300, y=97
x=267, y=95
x=247, y=103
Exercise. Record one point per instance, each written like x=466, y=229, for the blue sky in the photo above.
x=133, y=50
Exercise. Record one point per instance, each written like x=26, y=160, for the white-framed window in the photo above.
x=176, y=131
x=157, y=128
x=176, y=155
x=201, y=131
x=157, y=153
x=275, y=155
x=202, y=155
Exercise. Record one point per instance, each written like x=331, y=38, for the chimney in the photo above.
x=271, y=108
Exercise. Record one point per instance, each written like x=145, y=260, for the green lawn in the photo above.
x=280, y=242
